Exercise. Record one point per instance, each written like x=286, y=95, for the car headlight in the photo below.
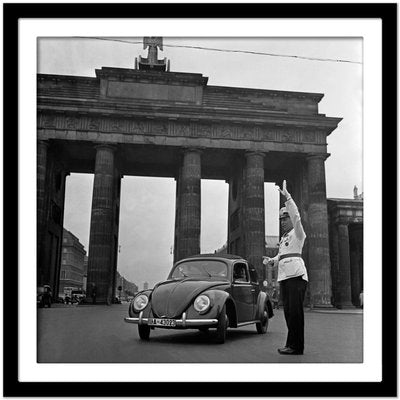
x=140, y=302
x=202, y=303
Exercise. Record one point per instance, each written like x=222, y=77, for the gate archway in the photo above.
x=153, y=122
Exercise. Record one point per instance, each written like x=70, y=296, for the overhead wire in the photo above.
x=229, y=50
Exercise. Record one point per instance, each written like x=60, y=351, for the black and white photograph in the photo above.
x=199, y=201
x=158, y=200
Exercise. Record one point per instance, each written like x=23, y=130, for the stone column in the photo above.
x=355, y=238
x=116, y=208
x=254, y=213
x=235, y=210
x=189, y=208
x=42, y=147
x=317, y=235
x=344, y=266
x=334, y=255
x=101, y=240
x=178, y=180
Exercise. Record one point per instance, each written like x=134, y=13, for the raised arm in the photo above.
x=295, y=217
x=293, y=212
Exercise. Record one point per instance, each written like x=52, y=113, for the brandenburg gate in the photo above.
x=149, y=121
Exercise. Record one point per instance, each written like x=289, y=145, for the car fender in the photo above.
x=261, y=302
x=217, y=297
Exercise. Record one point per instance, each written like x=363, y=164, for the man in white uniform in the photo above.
x=292, y=273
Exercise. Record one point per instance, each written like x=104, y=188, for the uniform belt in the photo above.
x=281, y=257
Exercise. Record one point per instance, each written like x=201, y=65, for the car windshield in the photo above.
x=206, y=268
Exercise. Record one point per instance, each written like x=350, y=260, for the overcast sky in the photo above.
x=148, y=204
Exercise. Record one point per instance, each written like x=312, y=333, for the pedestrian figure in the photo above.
x=292, y=273
x=275, y=299
x=93, y=294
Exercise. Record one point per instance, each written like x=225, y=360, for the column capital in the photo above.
x=105, y=146
x=317, y=156
x=43, y=142
x=342, y=221
x=249, y=153
x=192, y=149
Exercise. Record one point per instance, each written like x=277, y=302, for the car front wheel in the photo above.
x=144, y=332
x=262, y=326
x=222, y=326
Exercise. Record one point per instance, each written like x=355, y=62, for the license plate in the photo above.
x=162, y=322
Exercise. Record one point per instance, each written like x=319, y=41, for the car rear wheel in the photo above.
x=262, y=326
x=144, y=332
x=222, y=326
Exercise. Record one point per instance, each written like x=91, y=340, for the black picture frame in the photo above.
x=12, y=386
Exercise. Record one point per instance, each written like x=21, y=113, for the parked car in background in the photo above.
x=77, y=296
x=202, y=292
x=44, y=296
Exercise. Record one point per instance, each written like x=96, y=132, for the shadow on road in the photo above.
x=190, y=337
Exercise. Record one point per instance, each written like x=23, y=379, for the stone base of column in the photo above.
x=346, y=306
x=322, y=306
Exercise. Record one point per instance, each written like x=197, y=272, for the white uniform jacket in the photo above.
x=291, y=242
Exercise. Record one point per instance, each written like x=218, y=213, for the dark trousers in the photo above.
x=293, y=291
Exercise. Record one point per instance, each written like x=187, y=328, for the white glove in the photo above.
x=267, y=260
x=284, y=191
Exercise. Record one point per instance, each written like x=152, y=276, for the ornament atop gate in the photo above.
x=152, y=62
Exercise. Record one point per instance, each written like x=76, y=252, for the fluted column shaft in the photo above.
x=254, y=213
x=101, y=226
x=344, y=266
x=42, y=147
x=189, y=213
x=356, y=240
x=318, y=238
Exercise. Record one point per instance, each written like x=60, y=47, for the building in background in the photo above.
x=128, y=289
x=72, y=271
x=85, y=267
x=346, y=227
x=145, y=286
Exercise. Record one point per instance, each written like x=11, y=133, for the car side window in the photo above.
x=240, y=273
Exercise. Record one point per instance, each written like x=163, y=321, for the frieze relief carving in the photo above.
x=71, y=122
x=204, y=130
x=267, y=135
x=320, y=137
x=226, y=132
x=308, y=137
x=138, y=127
x=288, y=136
x=158, y=128
x=117, y=125
x=49, y=121
x=93, y=124
x=182, y=129
x=246, y=133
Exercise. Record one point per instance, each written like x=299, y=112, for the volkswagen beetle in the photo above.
x=202, y=292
